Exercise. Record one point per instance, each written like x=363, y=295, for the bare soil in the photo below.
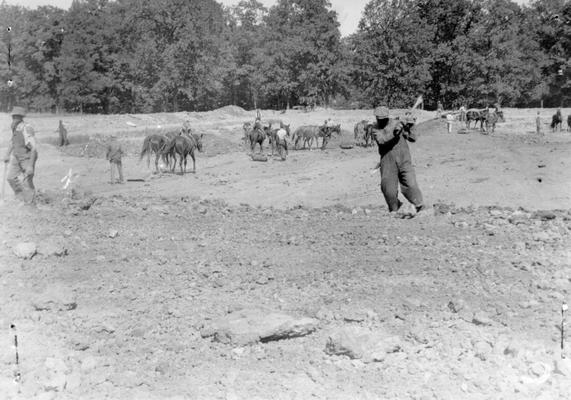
x=474, y=290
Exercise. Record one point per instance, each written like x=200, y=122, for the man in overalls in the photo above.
x=396, y=164
x=22, y=155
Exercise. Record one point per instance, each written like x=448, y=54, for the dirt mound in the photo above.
x=234, y=111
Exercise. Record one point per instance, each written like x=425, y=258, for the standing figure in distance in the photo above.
x=439, y=109
x=22, y=155
x=396, y=164
x=462, y=110
x=538, y=124
x=449, y=122
x=63, y=141
x=114, y=155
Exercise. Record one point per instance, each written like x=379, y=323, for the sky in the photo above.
x=349, y=11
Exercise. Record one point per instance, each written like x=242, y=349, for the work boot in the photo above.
x=395, y=213
x=422, y=211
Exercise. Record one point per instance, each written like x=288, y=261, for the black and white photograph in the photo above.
x=285, y=199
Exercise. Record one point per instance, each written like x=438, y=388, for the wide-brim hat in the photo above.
x=21, y=111
x=381, y=112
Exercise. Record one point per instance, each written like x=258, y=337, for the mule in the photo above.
x=309, y=133
x=361, y=136
x=476, y=116
x=490, y=121
x=154, y=143
x=556, y=121
x=256, y=136
x=183, y=146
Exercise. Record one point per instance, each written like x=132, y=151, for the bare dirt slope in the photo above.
x=126, y=277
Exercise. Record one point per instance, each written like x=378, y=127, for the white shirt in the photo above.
x=281, y=134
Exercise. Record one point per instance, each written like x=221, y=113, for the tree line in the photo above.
x=133, y=56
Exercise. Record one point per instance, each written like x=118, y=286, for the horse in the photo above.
x=310, y=132
x=360, y=130
x=335, y=129
x=325, y=134
x=256, y=135
x=168, y=158
x=491, y=120
x=476, y=116
x=556, y=121
x=154, y=144
x=184, y=145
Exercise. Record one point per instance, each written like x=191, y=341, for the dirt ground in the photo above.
x=126, y=276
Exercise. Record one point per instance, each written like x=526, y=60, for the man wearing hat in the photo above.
x=396, y=164
x=22, y=155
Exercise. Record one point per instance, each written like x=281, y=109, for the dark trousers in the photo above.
x=396, y=167
x=63, y=139
x=22, y=184
x=119, y=166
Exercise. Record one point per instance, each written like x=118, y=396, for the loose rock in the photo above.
x=480, y=318
x=56, y=297
x=251, y=326
x=52, y=248
x=482, y=350
x=25, y=250
x=362, y=344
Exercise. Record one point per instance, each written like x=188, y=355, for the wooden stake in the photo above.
x=17, y=375
x=563, y=311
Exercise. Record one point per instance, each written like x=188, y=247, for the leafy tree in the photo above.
x=42, y=40
x=504, y=63
x=246, y=30
x=87, y=57
x=392, y=52
x=177, y=53
x=169, y=55
x=13, y=52
x=450, y=22
x=551, y=22
x=302, y=46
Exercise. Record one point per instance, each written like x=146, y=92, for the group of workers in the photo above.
x=22, y=154
x=392, y=140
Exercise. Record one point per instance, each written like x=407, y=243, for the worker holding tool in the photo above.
x=396, y=167
x=21, y=157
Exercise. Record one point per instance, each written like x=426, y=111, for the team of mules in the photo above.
x=257, y=133
x=487, y=119
x=172, y=146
